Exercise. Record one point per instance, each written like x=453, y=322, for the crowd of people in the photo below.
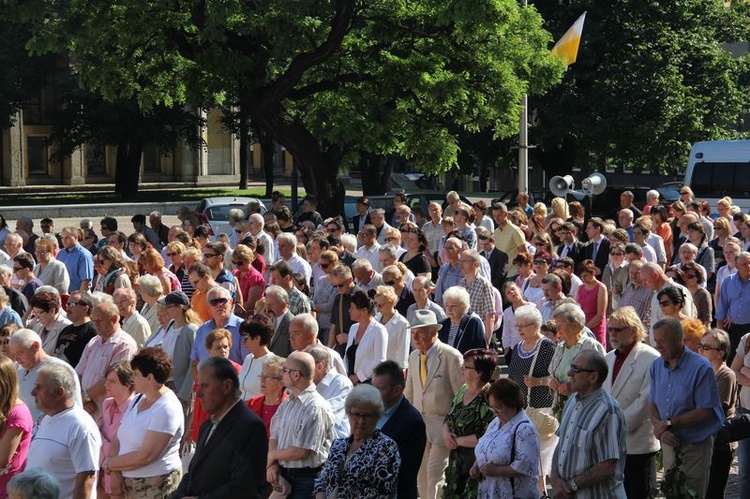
x=297, y=356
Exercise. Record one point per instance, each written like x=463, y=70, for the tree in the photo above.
x=651, y=78
x=327, y=80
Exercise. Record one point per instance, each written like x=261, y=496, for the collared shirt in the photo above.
x=620, y=356
x=434, y=233
x=370, y=254
x=691, y=384
x=639, y=298
x=657, y=244
x=389, y=412
x=592, y=431
x=304, y=421
x=217, y=419
x=238, y=351
x=508, y=239
x=734, y=300
x=298, y=303
x=99, y=354
x=300, y=266
x=448, y=275
x=137, y=327
x=335, y=387
x=80, y=265
x=481, y=298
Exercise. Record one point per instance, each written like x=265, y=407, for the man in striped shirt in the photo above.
x=590, y=459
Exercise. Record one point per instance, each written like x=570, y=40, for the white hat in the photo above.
x=423, y=318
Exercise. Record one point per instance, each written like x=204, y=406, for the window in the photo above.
x=716, y=180
x=37, y=155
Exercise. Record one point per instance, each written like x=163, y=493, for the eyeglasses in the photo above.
x=333, y=229
x=325, y=265
x=389, y=283
x=540, y=262
x=288, y=370
x=238, y=262
x=665, y=303
x=343, y=284
x=702, y=346
x=577, y=370
x=484, y=238
x=521, y=326
x=218, y=301
x=361, y=415
x=239, y=231
x=41, y=251
x=615, y=329
x=72, y=304
x=174, y=253
x=267, y=377
x=691, y=276
x=209, y=255
x=616, y=253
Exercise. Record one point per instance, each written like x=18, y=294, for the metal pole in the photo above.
x=523, y=141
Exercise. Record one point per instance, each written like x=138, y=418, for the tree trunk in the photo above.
x=558, y=160
x=128, y=168
x=376, y=174
x=244, y=131
x=267, y=146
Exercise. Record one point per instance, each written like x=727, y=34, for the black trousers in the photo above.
x=736, y=332
x=721, y=460
x=640, y=475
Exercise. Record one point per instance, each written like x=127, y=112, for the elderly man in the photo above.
x=508, y=238
x=74, y=337
x=553, y=293
x=282, y=275
x=480, y=290
x=652, y=199
x=67, y=442
x=388, y=255
x=422, y=288
x=433, y=229
x=111, y=345
x=288, y=253
x=133, y=322
x=301, y=429
x=377, y=216
x=684, y=406
x=628, y=382
x=26, y=350
x=77, y=259
x=366, y=276
x=449, y=274
x=636, y=294
x=733, y=308
x=332, y=386
x=625, y=218
x=277, y=308
x=230, y=455
x=161, y=230
x=434, y=377
x=655, y=279
x=303, y=333
x=26, y=225
x=590, y=457
x=403, y=423
x=221, y=305
x=368, y=246
x=255, y=224
x=16, y=299
x=626, y=202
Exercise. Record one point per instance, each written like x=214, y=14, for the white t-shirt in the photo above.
x=66, y=444
x=250, y=375
x=165, y=416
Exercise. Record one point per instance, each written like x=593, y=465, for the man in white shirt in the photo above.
x=433, y=230
x=303, y=334
x=377, y=216
x=68, y=442
x=368, y=246
x=256, y=223
x=288, y=252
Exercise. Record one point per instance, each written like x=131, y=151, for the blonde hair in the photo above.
x=628, y=317
x=560, y=208
x=387, y=293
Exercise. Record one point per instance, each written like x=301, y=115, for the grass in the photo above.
x=177, y=194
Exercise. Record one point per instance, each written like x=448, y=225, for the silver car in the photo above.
x=215, y=211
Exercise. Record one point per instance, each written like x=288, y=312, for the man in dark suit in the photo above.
x=362, y=217
x=497, y=258
x=598, y=247
x=230, y=456
x=570, y=246
x=277, y=305
x=403, y=423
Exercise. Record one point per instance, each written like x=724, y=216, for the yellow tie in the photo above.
x=423, y=369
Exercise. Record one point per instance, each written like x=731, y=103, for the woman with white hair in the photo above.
x=151, y=292
x=50, y=270
x=395, y=324
x=461, y=329
x=7, y=314
x=34, y=483
x=366, y=464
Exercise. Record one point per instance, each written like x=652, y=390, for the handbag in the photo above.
x=734, y=429
x=546, y=424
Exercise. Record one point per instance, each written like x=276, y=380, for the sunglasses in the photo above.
x=389, y=283
x=665, y=303
x=691, y=276
x=343, y=284
x=614, y=329
x=577, y=370
x=617, y=253
x=72, y=304
x=218, y=301
x=701, y=346
x=540, y=262
x=484, y=238
x=237, y=262
x=175, y=253
x=209, y=255
x=325, y=265
x=332, y=229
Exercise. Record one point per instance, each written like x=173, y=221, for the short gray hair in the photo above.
x=218, y=290
x=459, y=294
x=388, y=248
x=99, y=297
x=572, y=313
x=34, y=483
x=307, y=321
x=652, y=194
x=151, y=285
x=287, y=238
x=361, y=263
x=25, y=337
x=5, y=270
x=364, y=394
x=529, y=314
x=278, y=293
x=320, y=354
x=60, y=376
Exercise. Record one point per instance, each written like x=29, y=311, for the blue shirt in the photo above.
x=690, y=385
x=8, y=315
x=734, y=300
x=237, y=353
x=80, y=265
x=447, y=276
x=388, y=413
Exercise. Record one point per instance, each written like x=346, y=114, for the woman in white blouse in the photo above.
x=395, y=324
x=508, y=453
x=368, y=339
x=256, y=332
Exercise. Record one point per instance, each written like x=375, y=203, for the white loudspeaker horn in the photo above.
x=561, y=186
x=594, y=184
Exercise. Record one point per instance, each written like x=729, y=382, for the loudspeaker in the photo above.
x=561, y=186
x=594, y=184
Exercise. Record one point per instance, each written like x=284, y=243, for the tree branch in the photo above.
x=322, y=86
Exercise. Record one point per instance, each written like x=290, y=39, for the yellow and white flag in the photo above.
x=567, y=47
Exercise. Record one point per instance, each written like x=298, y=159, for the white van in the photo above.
x=720, y=168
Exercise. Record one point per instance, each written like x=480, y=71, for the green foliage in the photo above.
x=651, y=78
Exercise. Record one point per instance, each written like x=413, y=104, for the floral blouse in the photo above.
x=370, y=473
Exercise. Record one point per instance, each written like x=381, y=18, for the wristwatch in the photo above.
x=669, y=423
x=572, y=485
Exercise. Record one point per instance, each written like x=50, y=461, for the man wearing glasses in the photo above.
x=368, y=246
x=590, y=456
x=301, y=430
x=343, y=282
x=73, y=338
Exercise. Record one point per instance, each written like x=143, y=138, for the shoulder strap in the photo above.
x=513, y=457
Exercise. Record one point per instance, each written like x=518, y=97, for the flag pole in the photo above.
x=523, y=142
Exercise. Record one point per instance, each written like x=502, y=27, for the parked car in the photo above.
x=215, y=211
